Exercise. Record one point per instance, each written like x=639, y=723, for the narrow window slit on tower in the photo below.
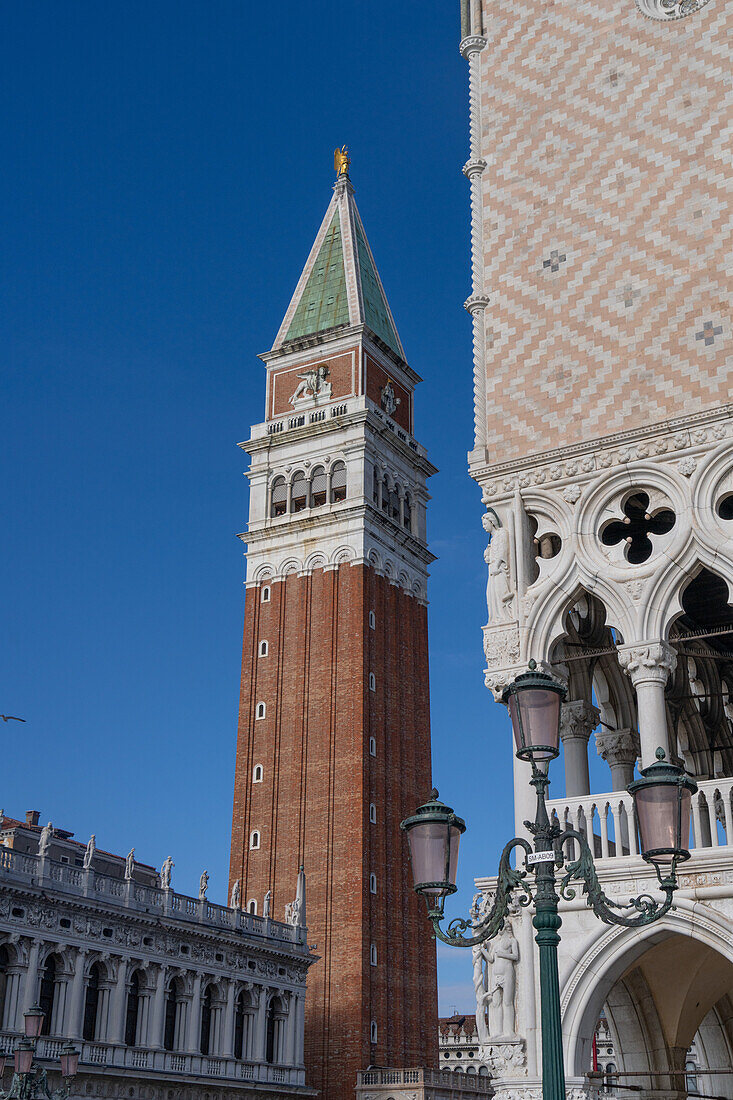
x=261, y=710
x=372, y=682
x=263, y=649
x=254, y=840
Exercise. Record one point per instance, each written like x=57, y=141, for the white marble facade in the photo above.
x=158, y=991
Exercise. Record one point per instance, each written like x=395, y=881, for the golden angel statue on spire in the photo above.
x=341, y=161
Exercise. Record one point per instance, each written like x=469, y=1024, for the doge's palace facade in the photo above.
x=600, y=179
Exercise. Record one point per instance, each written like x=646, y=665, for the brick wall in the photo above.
x=313, y=807
x=605, y=210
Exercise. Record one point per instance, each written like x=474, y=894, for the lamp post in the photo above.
x=662, y=800
x=30, y=1081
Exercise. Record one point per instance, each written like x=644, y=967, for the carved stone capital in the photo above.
x=578, y=719
x=648, y=662
x=474, y=168
x=476, y=303
x=617, y=746
x=473, y=43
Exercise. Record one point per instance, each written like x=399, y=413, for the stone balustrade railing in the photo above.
x=609, y=818
x=162, y=1061
x=435, y=1077
x=131, y=895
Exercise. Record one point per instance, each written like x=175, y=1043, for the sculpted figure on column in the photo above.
x=129, y=864
x=268, y=902
x=45, y=841
x=502, y=956
x=497, y=556
x=236, y=895
x=165, y=873
x=203, y=884
x=90, y=849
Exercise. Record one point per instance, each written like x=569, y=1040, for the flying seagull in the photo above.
x=11, y=718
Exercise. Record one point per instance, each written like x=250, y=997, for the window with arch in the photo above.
x=372, y=883
x=252, y=906
x=372, y=746
x=254, y=840
x=132, y=1011
x=299, y=492
x=372, y=813
x=91, y=1003
x=338, y=482
x=275, y=1031
x=207, y=1002
x=407, y=512
x=610, y=1074
x=319, y=484
x=372, y=682
x=394, y=502
x=372, y=620
x=385, y=496
x=243, y=1025
x=261, y=710
x=172, y=1039
x=373, y=1031
x=373, y=954
x=258, y=773
x=46, y=996
x=262, y=651
x=265, y=597
x=279, y=497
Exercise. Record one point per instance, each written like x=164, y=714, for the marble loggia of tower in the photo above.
x=600, y=180
x=334, y=731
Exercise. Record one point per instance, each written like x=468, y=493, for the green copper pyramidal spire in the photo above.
x=323, y=304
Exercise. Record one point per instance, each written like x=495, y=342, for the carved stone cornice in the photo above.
x=617, y=746
x=578, y=719
x=648, y=662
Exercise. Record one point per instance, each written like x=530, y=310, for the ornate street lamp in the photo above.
x=434, y=833
x=31, y=1082
x=662, y=799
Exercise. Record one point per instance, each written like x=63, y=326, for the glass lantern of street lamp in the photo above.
x=69, y=1058
x=23, y=1056
x=33, y=1021
x=534, y=700
x=662, y=799
x=434, y=833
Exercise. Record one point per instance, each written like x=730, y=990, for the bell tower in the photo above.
x=334, y=728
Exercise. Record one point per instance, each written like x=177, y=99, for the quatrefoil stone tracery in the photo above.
x=640, y=522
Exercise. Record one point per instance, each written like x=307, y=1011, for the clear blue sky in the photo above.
x=166, y=167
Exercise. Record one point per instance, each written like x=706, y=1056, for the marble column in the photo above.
x=155, y=1039
x=578, y=719
x=194, y=1020
x=116, y=1031
x=227, y=1038
x=620, y=749
x=260, y=1036
x=649, y=665
x=30, y=989
x=292, y=1036
x=76, y=1007
x=9, y=1021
